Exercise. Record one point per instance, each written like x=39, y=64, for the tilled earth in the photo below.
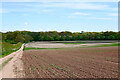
x=58, y=45
x=71, y=63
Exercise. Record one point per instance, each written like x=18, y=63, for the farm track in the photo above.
x=71, y=63
x=14, y=68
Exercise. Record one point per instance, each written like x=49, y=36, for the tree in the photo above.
x=27, y=38
x=56, y=37
x=51, y=38
x=62, y=38
x=78, y=37
x=4, y=37
x=19, y=38
x=10, y=36
x=67, y=38
x=45, y=38
x=40, y=38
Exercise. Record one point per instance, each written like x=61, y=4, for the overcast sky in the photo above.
x=56, y=15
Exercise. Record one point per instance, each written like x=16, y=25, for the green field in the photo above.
x=104, y=45
x=8, y=48
x=29, y=48
x=83, y=42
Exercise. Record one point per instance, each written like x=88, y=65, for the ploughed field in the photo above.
x=66, y=44
x=99, y=62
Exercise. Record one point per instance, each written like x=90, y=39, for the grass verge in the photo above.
x=3, y=64
x=8, y=48
x=103, y=45
x=42, y=48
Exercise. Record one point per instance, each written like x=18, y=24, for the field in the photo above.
x=8, y=48
x=87, y=62
x=69, y=44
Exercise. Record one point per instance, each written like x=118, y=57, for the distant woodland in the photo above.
x=27, y=36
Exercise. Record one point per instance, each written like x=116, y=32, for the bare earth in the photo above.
x=58, y=45
x=63, y=63
x=99, y=62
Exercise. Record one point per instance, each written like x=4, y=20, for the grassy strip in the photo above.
x=8, y=48
x=8, y=52
x=42, y=48
x=103, y=45
x=3, y=64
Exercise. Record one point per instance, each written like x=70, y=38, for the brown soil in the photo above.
x=71, y=63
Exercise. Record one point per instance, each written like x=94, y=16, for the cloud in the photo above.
x=25, y=14
x=1, y=10
x=113, y=14
x=46, y=1
x=114, y=9
x=43, y=7
x=72, y=16
x=45, y=11
x=36, y=10
x=76, y=14
x=26, y=23
x=76, y=6
x=73, y=5
x=79, y=13
x=25, y=29
x=100, y=18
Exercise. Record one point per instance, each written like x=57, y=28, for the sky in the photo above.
x=59, y=16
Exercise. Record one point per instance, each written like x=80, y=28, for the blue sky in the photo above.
x=60, y=16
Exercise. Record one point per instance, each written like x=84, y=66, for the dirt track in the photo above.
x=71, y=63
x=13, y=69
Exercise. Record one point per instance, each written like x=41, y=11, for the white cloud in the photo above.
x=26, y=23
x=77, y=6
x=114, y=9
x=46, y=1
x=37, y=7
x=100, y=18
x=72, y=16
x=25, y=29
x=36, y=10
x=76, y=14
x=79, y=13
x=1, y=7
x=113, y=14
x=25, y=14
x=44, y=11
x=80, y=5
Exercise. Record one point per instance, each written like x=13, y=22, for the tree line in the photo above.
x=27, y=36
